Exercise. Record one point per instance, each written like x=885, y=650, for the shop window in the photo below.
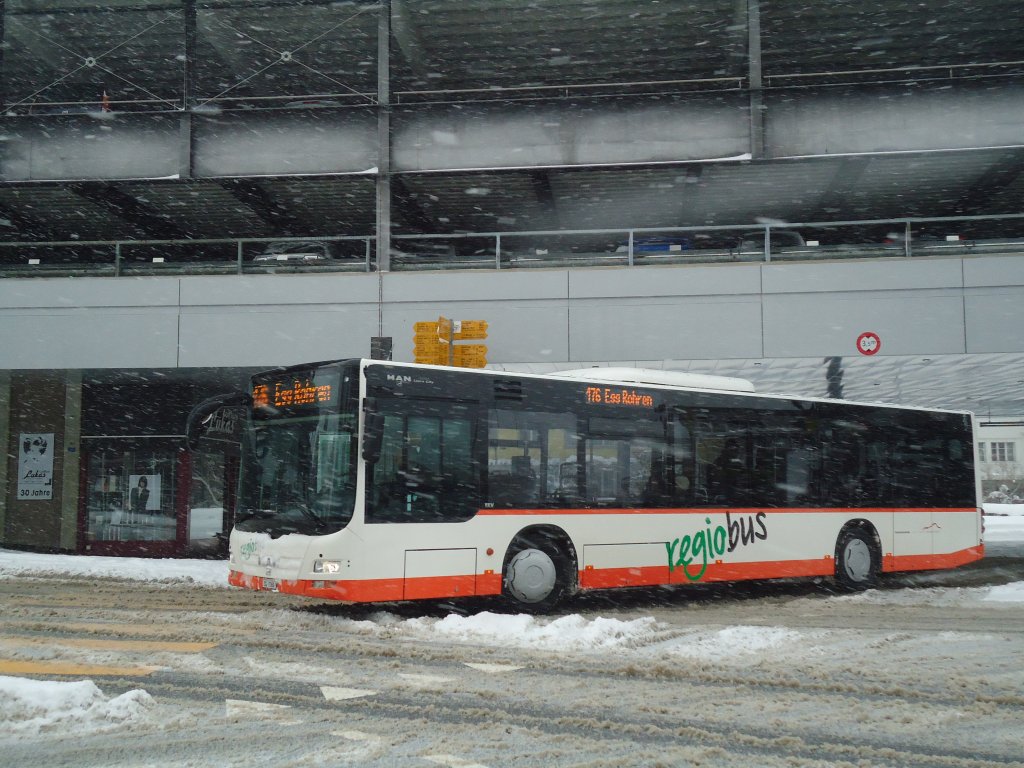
x=130, y=492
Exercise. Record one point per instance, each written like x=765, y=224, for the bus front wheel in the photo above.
x=536, y=574
x=857, y=562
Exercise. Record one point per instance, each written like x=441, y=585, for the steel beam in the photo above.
x=263, y=204
x=130, y=209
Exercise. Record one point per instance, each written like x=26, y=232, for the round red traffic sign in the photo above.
x=868, y=343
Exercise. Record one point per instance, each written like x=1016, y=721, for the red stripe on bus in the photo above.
x=437, y=587
x=380, y=590
x=440, y=586
x=610, y=578
x=932, y=562
x=239, y=579
x=722, y=510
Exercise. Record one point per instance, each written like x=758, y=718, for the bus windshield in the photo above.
x=298, y=475
x=298, y=472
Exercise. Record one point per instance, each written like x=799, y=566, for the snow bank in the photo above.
x=1006, y=593
x=1004, y=530
x=31, y=706
x=567, y=633
x=1006, y=510
x=209, y=573
x=733, y=642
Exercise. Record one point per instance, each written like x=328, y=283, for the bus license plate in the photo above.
x=270, y=584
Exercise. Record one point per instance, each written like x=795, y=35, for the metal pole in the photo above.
x=755, y=80
x=189, y=79
x=188, y=99
x=384, y=137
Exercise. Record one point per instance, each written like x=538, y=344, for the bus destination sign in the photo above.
x=618, y=396
x=292, y=393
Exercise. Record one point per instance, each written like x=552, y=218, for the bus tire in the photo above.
x=857, y=559
x=537, y=573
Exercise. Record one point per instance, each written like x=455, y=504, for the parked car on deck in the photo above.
x=656, y=244
x=306, y=252
x=781, y=239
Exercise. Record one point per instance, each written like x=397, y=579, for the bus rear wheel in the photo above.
x=857, y=561
x=536, y=574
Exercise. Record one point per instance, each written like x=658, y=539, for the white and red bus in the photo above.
x=368, y=481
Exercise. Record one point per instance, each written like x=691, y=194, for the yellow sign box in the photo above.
x=440, y=352
x=431, y=359
x=431, y=342
x=471, y=356
x=472, y=329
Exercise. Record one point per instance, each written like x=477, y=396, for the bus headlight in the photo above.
x=326, y=566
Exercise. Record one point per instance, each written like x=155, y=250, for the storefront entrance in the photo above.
x=132, y=497
x=141, y=492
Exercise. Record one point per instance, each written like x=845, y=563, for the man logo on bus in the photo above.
x=714, y=542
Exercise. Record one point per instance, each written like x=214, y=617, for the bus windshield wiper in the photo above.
x=307, y=511
x=254, y=513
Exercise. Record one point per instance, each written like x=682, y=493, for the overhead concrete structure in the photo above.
x=501, y=116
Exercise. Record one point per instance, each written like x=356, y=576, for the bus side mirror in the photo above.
x=373, y=434
x=199, y=417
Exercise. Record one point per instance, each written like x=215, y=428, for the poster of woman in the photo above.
x=144, y=494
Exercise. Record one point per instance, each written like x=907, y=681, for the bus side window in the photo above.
x=531, y=458
x=425, y=472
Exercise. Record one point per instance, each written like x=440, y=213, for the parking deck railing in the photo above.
x=765, y=242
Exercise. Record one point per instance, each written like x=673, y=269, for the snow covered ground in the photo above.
x=30, y=707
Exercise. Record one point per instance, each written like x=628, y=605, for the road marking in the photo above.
x=100, y=644
x=493, y=669
x=105, y=629
x=281, y=713
x=341, y=694
x=11, y=667
x=426, y=681
x=452, y=761
x=357, y=736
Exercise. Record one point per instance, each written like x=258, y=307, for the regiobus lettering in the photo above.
x=367, y=481
x=708, y=543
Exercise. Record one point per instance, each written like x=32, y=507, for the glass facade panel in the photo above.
x=131, y=491
x=80, y=58
x=297, y=55
x=142, y=492
x=214, y=474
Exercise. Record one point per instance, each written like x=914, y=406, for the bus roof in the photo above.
x=662, y=378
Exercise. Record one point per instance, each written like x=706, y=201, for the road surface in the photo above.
x=923, y=672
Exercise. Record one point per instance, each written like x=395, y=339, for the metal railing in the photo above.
x=769, y=242
x=342, y=253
